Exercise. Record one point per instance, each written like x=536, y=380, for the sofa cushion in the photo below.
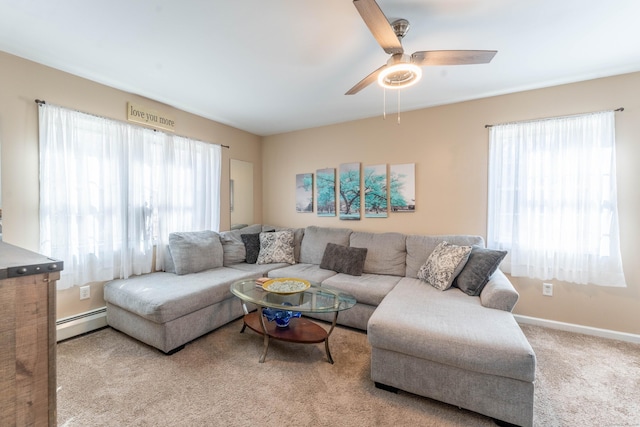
x=162, y=297
x=169, y=267
x=276, y=247
x=251, y=247
x=310, y=272
x=195, y=251
x=482, y=263
x=444, y=264
x=344, y=259
x=260, y=270
x=232, y=246
x=420, y=247
x=499, y=293
x=315, y=241
x=451, y=328
x=386, y=254
x=367, y=289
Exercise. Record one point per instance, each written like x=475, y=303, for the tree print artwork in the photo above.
x=349, y=191
x=402, y=185
x=375, y=191
x=326, y=192
x=304, y=192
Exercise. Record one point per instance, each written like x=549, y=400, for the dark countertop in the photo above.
x=17, y=262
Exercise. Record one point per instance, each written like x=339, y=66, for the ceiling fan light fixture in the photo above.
x=399, y=75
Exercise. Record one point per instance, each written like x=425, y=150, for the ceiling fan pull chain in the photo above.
x=384, y=104
x=398, y=106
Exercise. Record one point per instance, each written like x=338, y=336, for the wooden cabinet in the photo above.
x=27, y=337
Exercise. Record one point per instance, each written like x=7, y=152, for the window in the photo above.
x=552, y=199
x=111, y=192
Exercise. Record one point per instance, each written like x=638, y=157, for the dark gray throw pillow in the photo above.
x=482, y=263
x=251, y=246
x=344, y=259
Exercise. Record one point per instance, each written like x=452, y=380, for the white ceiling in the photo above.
x=280, y=65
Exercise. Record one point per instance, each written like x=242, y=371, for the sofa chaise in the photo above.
x=456, y=346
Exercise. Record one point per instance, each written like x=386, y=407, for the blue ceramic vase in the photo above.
x=281, y=317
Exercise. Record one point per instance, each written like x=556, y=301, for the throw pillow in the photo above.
x=276, y=246
x=251, y=246
x=482, y=263
x=195, y=251
x=444, y=264
x=344, y=259
x=232, y=245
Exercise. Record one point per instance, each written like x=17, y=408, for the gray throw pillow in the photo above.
x=482, y=263
x=344, y=259
x=232, y=245
x=195, y=251
x=443, y=265
x=251, y=246
x=276, y=246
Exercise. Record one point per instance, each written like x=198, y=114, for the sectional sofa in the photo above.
x=436, y=309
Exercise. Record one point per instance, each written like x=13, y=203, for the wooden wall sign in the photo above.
x=149, y=117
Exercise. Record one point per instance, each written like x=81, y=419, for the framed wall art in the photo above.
x=326, y=192
x=349, y=191
x=304, y=192
x=375, y=191
x=402, y=187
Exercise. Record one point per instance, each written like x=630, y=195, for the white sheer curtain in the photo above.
x=110, y=192
x=190, y=199
x=552, y=199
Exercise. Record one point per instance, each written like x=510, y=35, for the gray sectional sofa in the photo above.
x=453, y=346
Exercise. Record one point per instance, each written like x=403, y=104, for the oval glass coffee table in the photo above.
x=314, y=299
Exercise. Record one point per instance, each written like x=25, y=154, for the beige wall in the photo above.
x=22, y=82
x=449, y=146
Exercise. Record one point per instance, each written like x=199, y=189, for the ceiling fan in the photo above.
x=402, y=70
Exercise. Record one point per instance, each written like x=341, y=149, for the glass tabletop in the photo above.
x=315, y=299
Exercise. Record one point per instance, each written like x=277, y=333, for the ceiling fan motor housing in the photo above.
x=400, y=27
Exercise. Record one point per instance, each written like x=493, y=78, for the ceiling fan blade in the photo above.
x=452, y=57
x=379, y=25
x=365, y=82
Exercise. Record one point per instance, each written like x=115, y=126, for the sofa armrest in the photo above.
x=499, y=293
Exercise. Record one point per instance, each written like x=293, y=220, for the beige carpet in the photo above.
x=108, y=379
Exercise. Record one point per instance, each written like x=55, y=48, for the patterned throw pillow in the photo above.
x=444, y=264
x=276, y=247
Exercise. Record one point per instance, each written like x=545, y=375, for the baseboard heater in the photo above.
x=82, y=323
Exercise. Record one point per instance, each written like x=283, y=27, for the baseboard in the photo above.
x=82, y=323
x=586, y=330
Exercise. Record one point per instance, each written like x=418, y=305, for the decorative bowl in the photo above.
x=286, y=285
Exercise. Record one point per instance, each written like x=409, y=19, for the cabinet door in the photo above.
x=27, y=351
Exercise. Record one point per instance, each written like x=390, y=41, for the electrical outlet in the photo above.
x=85, y=292
x=547, y=289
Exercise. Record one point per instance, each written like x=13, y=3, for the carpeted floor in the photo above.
x=109, y=379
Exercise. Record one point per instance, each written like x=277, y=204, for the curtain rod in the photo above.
x=41, y=102
x=549, y=118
